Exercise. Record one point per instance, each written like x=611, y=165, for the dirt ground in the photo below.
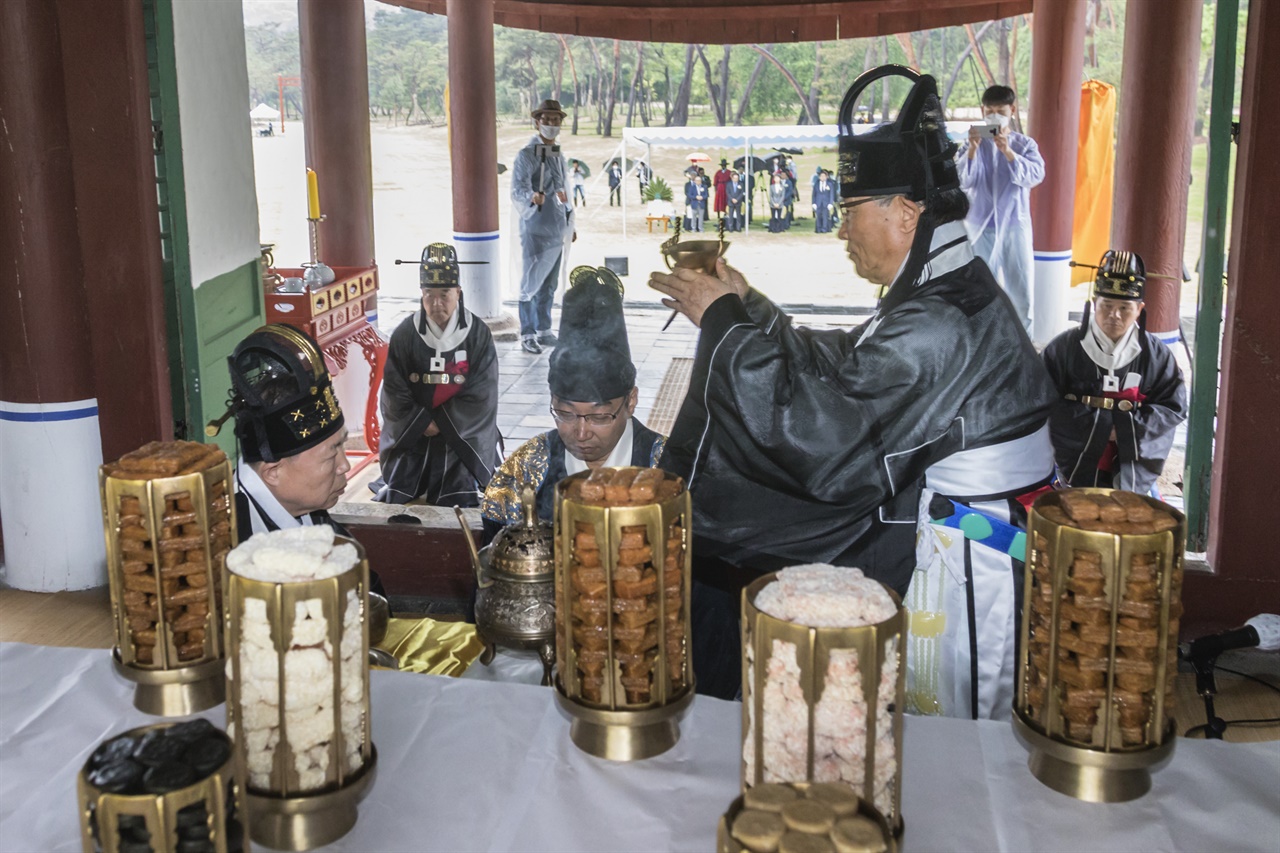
x=412, y=198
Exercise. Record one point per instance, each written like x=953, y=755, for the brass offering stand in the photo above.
x=162, y=574
x=1097, y=761
x=282, y=813
x=618, y=723
x=697, y=255
x=105, y=816
x=878, y=647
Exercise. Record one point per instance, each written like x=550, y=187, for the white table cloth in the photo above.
x=473, y=765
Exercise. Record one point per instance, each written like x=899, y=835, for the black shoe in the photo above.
x=547, y=339
x=530, y=344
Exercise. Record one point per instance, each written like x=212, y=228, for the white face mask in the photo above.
x=998, y=120
x=548, y=131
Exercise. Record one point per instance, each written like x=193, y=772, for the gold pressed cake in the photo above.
x=759, y=831
x=800, y=842
x=857, y=835
x=809, y=816
x=769, y=797
x=841, y=798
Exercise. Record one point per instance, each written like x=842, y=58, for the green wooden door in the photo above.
x=205, y=319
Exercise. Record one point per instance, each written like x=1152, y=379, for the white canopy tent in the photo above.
x=262, y=112
x=746, y=138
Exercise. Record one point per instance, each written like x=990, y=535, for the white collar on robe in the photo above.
x=619, y=457
x=261, y=498
x=945, y=262
x=441, y=340
x=1106, y=353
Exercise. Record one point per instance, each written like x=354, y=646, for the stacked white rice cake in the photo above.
x=288, y=556
x=822, y=596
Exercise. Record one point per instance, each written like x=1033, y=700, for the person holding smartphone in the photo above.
x=998, y=167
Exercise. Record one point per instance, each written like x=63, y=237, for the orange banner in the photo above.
x=1095, y=177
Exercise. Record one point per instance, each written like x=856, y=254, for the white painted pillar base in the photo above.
x=49, y=501
x=482, y=282
x=1052, y=300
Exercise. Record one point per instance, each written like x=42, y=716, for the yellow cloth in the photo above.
x=1095, y=177
x=438, y=648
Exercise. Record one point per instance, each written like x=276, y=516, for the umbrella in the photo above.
x=698, y=157
x=757, y=164
x=627, y=167
x=586, y=170
x=775, y=162
x=793, y=151
x=502, y=167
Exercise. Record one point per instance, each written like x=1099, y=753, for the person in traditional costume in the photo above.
x=540, y=200
x=292, y=436
x=1121, y=393
x=824, y=202
x=721, y=181
x=593, y=402
x=439, y=401
x=803, y=446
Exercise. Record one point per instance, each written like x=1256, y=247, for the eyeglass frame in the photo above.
x=573, y=416
x=850, y=205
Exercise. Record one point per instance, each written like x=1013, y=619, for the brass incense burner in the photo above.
x=622, y=584
x=1098, y=643
x=515, y=586
x=167, y=538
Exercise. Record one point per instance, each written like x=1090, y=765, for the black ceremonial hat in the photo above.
x=439, y=266
x=592, y=362
x=911, y=155
x=1121, y=275
x=281, y=394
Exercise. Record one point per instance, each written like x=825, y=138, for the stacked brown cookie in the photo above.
x=1088, y=597
x=168, y=570
x=632, y=624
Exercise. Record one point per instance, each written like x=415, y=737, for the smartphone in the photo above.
x=987, y=131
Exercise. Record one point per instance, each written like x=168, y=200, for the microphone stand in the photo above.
x=1215, y=726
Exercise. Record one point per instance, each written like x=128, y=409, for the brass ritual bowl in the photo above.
x=698, y=255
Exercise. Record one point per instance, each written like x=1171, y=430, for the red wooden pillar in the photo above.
x=473, y=150
x=104, y=55
x=335, y=97
x=50, y=445
x=1153, y=156
x=1246, y=578
x=1055, y=126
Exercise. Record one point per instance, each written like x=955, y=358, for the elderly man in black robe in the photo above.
x=804, y=446
x=1121, y=393
x=439, y=404
x=593, y=402
x=292, y=435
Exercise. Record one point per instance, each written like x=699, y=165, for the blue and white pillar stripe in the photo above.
x=49, y=502
x=481, y=282
x=1052, y=295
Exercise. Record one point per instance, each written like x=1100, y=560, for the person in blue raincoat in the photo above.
x=540, y=197
x=997, y=170
x=824, y=200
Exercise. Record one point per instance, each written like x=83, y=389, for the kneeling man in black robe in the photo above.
x=1121, y=391
x=439, y=404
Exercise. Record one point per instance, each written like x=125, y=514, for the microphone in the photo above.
x=1262, y=631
